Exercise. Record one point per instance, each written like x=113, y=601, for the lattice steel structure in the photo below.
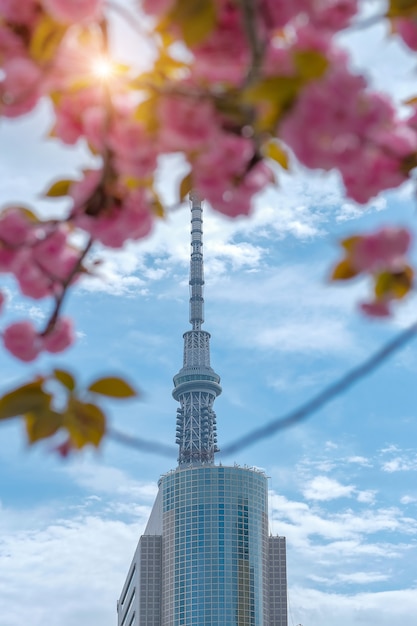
x=196, y=385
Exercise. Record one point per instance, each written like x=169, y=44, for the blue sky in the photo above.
x=343, y=484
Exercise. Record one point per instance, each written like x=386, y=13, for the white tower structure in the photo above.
x=196, y=384
x=205, y=558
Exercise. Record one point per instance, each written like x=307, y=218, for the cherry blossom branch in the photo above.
x=257, y=47
x=59, y=298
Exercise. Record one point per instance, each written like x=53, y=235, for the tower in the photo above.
x=196, y=385
x=205, y=558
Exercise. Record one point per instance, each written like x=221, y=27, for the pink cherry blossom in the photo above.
x=407, y=29
x=157, y=7
x=81, y=113
x=224, y=56
x=230, y=197
x=130, y=220
x=10, y=44
x=376, y=308
x=2, y=301
x=15, y=228
x=338, y=123
x=32, y=279
x=22, y=340
x=373, y=172
x=278, y=14
x=333, y=15
x=135, y=151
x=227, y=157
x=60, y=337
x=21, y=87
x=384, y=249
x=81, y=190
x=186, y=123
x=64, y=449
x=74, y=10
x=8, y=259
x=54, y=256
x=225, y=176
x=21, y=12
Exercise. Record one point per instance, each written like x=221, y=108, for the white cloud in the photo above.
x=361, y=578
x=289, y=382
x=359, y=460
x=386, y=608
x=367, y=497
x=408, y=499
x=350, y=210
x=324, y=488
x=67, y=572
x=107, y=479
x=400, y=464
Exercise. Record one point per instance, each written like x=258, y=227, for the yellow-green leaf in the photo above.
x=85, y=423
x=59, y=189
x=310, y=64
x=157, y=206
x=344, y=271
x=271, y=97
x=412, y=101
x=65, y=378
x=350, y=242
x=196, y=19
x=112, y=387
x=25, y=399
x=42, y=424
x=46, y=38
x=402, y=8
x=274, y=150
x=394, y=284
x=146, y=113
x=185, y=186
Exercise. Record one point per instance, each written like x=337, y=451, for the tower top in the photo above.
x=196, y=264
x=196, y=385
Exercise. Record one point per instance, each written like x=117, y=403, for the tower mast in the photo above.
x=196, y=385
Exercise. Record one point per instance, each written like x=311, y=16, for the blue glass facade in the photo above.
x=215, y=547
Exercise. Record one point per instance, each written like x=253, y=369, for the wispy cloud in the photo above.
x=325, y=488
x=400, y=464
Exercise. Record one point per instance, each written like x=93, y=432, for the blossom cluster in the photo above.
x=43, y=262
x=251, y=81
x=383, y=256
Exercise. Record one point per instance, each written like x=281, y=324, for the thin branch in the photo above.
x=324, y=396
x=65, y=284
x=257, y=47
x=145, y=445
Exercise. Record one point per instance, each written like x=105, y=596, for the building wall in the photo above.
x=277, y=581
x=215, y=547
x=206, y=558
x=140, y=600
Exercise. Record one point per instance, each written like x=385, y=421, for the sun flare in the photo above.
x=102, y=68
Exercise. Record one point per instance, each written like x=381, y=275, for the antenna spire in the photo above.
x=196, y=264
x=196, y=385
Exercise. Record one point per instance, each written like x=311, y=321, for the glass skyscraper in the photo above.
x=206, y=557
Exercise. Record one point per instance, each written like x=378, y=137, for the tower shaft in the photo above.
x=196, y=385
